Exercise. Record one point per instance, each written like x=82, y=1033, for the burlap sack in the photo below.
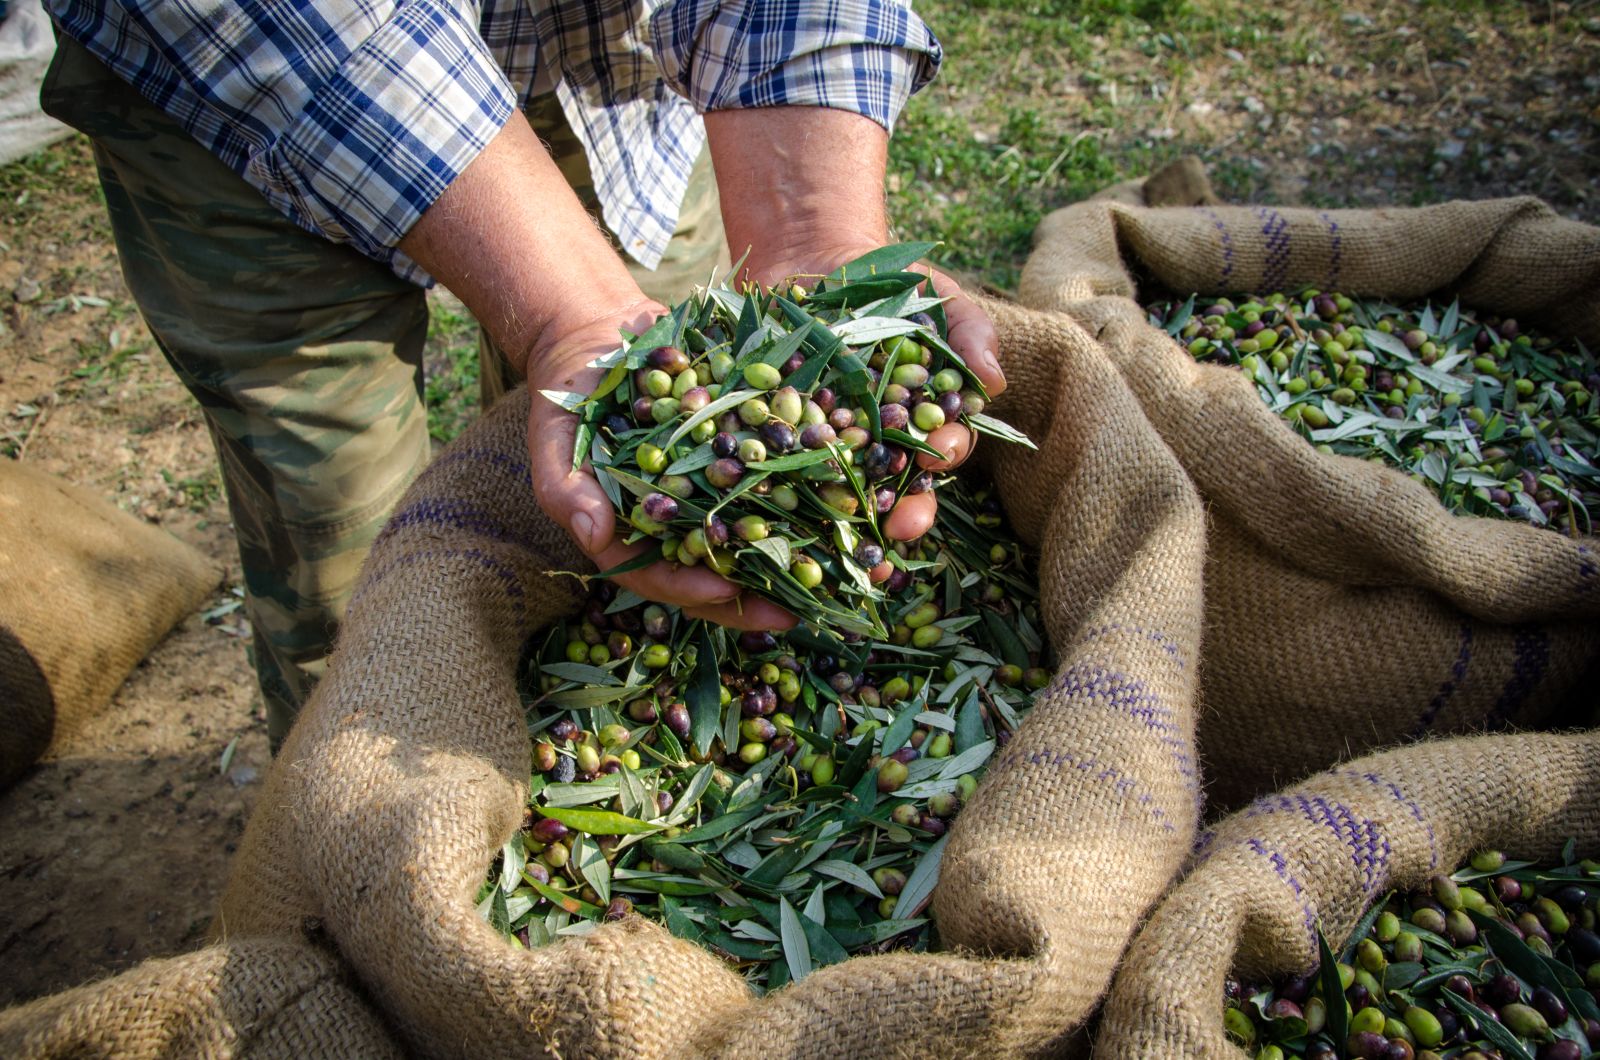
x=408, y=770
x=267, y=998
x=1346, y=608
x=1321, y=853
x=86, y=590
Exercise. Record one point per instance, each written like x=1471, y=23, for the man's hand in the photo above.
x=574, y=499
x=802, y=189
x=511, y=240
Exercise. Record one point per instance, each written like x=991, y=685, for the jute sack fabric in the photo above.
x=1346, y=608
x=408, y=769
x=274, y=999
x=86, y=590
x=1322, y=853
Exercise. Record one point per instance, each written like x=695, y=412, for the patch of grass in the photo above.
x=198, y=493
x=450, y=367
x=36, y=190
x=982, y=195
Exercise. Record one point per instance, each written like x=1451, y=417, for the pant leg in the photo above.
x=698, y=245
x=305, y=357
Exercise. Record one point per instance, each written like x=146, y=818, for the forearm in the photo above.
x=799, y=177
x=511, y=240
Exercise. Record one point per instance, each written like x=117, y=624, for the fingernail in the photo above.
x=583, y=530
x=990, y=360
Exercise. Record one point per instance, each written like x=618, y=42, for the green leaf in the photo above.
x=697, y=458
x=594, y=696
x=969, y=723
x=899, y=730
x=865, y=331
x=1006, y=639
x=985, y=424
x=1491, y=1028
x=796, y=950
x=591, y=862
x=513, y=856
x=704, y=695
x=1338, y=1018
x=567, y=399
x=651, y=554
x=824, y=948
x=597, y=822
x=892, y=258
x=910, y=441
x=715, y=408
x=1536, y=968
x=573, y=905
x=850, y=873
x=581, y=672
x=792, y=461
x=774, y=548
x=720, y=826
x=921, y=881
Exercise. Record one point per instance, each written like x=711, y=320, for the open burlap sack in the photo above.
x=86, y=590
x=268, y=998
x=1346, y=608
x=409, y=767
x=1320, y=854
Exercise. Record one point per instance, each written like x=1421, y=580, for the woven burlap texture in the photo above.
x=274, y=999
x=1320, y=854
x=1346, y=608
x=86, y=590
x=408, y=770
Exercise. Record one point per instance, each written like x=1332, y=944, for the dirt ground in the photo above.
x=115, y=847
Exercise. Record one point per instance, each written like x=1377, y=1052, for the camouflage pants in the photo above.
x=305, y=357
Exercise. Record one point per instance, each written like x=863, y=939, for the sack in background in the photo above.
x=1322, y=853
x=1346, y=608
x=86, y=590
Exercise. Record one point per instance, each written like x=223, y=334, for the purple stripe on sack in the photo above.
x=1362, y=837
x=1227, y=242
x=1130, y=696
x=1395, y=792
x=1335, y=250
x=455, y=514
x=517, y=469
x=1275, y=266
x=510, y=583
x=1458, y=673
x=1586, y=568
x=1166, y=641
x=1092, y=769
x=1280, y=865
x=1202, y=845
x=1530, y=657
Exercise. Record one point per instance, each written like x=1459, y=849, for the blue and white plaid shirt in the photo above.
x=353, y=116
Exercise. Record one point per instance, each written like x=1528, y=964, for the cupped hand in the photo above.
x=561, y=361
x=972, y=336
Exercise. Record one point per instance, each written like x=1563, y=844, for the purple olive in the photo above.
x=725, y=473
x=677, y=719
x=660, y=507
x=668, y=359
x=893, y=416
x=724, y=444
x=779, y=436
x=548, y=830
x=869, y=554
x=817, y=436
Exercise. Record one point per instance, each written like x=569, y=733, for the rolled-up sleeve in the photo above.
x=866, y=56
x=351, y=118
